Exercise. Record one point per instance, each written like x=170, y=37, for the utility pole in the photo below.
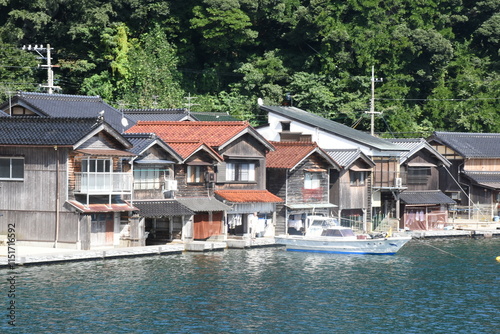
x=372, y=111
x=50, y=74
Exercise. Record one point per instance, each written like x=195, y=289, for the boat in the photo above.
x=325, y=235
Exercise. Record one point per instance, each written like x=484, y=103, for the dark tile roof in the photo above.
x=213, y=116
x=36, y=130
x=142, y=141
x=470, y=145
x=425, y=197
x=77, y=106
x=485, y=179
x=161, y=208
x=176, y=115
x=332, y=127
x=415, y=145
x=157, y=114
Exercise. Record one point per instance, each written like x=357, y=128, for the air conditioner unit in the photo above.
x=170, y=185
x=210, y=177
x=398, y=182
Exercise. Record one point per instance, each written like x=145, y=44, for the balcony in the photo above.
x=103, y=183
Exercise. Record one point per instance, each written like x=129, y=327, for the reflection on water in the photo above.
x=454, y=288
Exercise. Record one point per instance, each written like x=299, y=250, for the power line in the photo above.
x=470, y=99
x=31, y=67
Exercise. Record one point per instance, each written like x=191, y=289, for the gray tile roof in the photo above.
x=332, y=127
x=203, y=204
x=416, y=144
x=141, y=141
x=61, y=105
x=346, y=157
x=157, y=114
x=213, y=117
x=425, y=197
x=486, y=179
x=36, y=130
x=175, y=115
x=161, y=208
x=470, y=145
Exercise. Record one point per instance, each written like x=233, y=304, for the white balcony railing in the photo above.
x=103, y=183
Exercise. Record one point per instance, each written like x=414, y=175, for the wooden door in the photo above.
x=204, y=227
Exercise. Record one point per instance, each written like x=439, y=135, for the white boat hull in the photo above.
x=382, y=246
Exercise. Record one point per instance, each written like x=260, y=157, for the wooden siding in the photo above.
x=346, y=196
x=431, y=182
x=297, y=194
x=101, y=141
x=37, y=192
x=247, y=146
x=33, y=204
x=186, y=189
x=482, y=165
x=276, y=184
x=385, y=171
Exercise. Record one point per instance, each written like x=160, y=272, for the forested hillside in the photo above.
x=439, y=59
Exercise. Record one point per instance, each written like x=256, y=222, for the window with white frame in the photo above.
x=151, y=177
x=239, y=171
x=11, y=168
x=195, y=174
x=96, y=166
x=97, y=174
x=312, y=180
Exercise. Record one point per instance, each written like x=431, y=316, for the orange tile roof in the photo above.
x=289, y=154
x=248, y=196
x=211, y=133
x=186, y=148
x=187, y=137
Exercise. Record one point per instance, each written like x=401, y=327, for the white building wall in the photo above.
x=324, y=139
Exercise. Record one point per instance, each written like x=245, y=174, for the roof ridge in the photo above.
x=193, y=123
x=294, y=143
x=47, y=95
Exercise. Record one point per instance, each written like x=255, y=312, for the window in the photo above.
x=96, y=175
x=357, y=178
x=11, y=168
x=312, y=180
x=20, y=111
x=285, y=126
x=150, y=178
x=96, y=166
x=195, y=174
x=240, y=172
x=418, y=175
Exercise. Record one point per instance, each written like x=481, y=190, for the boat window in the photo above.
x=319, y=223
x=348, y=233
x=332, y=233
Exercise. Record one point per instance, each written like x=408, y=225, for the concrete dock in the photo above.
x=28, y=255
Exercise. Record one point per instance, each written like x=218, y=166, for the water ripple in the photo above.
x=454, y=288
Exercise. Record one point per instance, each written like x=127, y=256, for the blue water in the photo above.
x=454, y=288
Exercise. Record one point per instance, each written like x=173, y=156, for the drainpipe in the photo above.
x=56, y=239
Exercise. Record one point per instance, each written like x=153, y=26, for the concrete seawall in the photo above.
x=27, y=255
